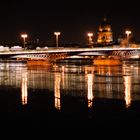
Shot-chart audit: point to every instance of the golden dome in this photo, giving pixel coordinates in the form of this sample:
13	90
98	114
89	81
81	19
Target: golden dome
105	33
104	26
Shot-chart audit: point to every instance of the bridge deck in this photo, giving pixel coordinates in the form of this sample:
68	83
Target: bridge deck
69	50
116	51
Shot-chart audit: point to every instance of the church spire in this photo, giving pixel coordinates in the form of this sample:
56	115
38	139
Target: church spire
105	19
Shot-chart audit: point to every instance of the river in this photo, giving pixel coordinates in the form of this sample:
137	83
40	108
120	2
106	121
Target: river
71	93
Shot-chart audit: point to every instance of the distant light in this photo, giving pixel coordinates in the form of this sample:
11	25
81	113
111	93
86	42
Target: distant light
128	32
24	35
90	34
57	33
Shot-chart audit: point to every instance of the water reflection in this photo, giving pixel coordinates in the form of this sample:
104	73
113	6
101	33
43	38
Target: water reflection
127	90
63	76
24	90
57	80
87	82
90	89
10	73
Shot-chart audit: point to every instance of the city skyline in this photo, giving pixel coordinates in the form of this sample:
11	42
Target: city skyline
73	19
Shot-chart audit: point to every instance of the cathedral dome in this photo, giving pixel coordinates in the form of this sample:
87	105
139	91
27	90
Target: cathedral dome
104	26
105	35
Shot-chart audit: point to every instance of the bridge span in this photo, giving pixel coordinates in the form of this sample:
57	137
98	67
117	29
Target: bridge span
118	51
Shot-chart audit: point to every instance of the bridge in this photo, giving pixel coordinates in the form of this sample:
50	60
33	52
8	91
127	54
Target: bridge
96	51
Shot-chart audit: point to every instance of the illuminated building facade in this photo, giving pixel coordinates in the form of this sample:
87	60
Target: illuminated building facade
105	35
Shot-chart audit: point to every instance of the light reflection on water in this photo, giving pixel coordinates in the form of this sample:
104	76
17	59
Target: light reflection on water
86	83
90	89
24	88
57	81
127	90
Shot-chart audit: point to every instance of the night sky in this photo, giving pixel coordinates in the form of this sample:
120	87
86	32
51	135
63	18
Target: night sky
72	18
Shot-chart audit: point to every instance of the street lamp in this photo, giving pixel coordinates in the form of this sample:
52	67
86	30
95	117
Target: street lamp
90	38
128	34
57	34
24	36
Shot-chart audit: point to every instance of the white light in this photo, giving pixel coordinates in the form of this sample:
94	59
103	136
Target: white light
24	35
90	34
90	38
57	33
128	32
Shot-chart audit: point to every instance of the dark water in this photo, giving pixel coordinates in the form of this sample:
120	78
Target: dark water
73	94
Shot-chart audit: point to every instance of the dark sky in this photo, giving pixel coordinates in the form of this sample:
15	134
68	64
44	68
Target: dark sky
72	18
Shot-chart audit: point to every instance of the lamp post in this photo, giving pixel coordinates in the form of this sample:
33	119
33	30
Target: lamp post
24	36
127	35
90	42
57	34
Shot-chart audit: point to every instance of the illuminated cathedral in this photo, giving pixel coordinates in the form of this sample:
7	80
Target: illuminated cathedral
105	35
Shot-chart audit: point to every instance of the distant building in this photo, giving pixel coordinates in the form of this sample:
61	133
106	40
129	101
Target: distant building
105	35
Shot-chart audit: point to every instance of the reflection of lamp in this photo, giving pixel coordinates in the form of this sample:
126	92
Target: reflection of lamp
57	90
57	34
90	89
24	92
24	36
63	76
127	90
